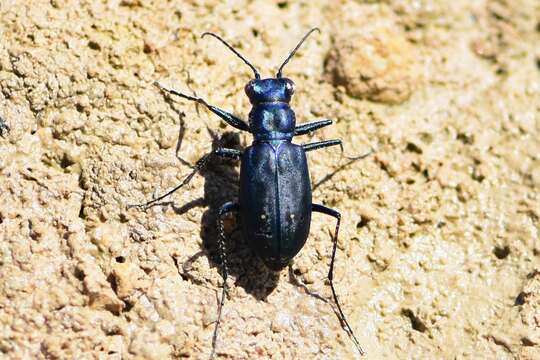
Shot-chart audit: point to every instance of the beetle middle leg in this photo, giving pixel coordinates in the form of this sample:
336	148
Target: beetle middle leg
199	165
331	212
312	126
222	252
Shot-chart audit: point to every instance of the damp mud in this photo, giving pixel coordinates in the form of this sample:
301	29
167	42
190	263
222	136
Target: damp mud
439	249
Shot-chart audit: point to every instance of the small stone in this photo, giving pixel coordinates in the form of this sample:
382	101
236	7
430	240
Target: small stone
376	66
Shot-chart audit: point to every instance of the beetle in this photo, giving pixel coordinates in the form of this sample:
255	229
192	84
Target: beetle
275	200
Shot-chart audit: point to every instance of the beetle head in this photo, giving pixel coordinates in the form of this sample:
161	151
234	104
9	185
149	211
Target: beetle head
270	90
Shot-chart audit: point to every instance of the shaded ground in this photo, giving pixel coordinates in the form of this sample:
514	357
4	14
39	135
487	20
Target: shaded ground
439	249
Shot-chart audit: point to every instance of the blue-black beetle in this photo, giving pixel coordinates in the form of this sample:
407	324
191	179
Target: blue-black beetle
275	190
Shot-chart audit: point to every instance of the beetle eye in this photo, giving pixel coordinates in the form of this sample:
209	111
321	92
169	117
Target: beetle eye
290	87
249	88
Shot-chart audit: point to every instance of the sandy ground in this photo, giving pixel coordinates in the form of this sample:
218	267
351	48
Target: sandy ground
439	250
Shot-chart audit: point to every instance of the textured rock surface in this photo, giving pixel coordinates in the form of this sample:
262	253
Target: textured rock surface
438	254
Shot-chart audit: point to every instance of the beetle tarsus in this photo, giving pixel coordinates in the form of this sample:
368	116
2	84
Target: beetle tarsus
222	252
359	157
335	214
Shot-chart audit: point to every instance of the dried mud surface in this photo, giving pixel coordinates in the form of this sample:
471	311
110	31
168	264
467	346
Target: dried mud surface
439	250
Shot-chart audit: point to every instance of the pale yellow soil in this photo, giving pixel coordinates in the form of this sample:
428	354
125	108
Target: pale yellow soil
439	249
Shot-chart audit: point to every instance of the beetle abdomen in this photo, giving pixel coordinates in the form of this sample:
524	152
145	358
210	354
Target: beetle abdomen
275	201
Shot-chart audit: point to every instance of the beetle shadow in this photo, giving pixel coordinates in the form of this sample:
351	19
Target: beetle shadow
220	186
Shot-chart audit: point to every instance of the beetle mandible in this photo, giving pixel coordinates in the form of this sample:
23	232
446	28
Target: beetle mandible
274	204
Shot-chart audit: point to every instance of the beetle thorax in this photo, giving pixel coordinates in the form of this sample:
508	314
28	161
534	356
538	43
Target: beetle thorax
271	117
272	121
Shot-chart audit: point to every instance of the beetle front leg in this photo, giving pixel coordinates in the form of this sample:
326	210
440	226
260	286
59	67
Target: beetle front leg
222	250
227	117
331	212
312	126
199	165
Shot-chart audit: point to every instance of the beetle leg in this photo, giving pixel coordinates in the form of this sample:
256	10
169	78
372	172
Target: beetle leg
227	117
331	212
322	144
228	153
199	165
225	209
312	126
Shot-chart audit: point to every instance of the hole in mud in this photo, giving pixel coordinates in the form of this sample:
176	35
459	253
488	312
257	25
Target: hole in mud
282	4
363	222
413	148
123	218
501	71
66	162
520	299
128	305
81	213
501	252
79	274
465	138
94	45
416	323
112	280
120	259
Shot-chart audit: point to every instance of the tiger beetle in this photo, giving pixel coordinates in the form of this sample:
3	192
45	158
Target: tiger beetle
274	202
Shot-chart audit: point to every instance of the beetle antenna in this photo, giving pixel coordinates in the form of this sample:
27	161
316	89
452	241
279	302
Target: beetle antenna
257	76
278	75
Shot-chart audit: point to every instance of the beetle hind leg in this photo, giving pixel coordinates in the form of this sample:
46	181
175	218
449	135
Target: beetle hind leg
222	252
331	212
